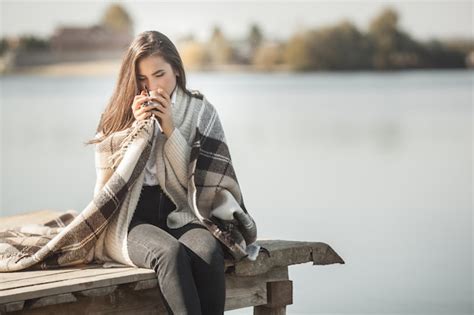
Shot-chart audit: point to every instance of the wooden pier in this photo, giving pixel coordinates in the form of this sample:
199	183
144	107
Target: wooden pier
263	284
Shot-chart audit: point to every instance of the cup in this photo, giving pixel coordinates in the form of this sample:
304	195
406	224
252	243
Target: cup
154	93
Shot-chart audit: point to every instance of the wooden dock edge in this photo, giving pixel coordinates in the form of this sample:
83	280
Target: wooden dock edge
262	284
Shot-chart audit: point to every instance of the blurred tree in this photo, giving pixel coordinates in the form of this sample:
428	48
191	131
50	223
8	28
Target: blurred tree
385	23
343	46
296	52
439	55
117	19
331	48
32	43
464	45
219	49
3	45
393	48
187	37
267	56
339	47
193	54
255	37
384	34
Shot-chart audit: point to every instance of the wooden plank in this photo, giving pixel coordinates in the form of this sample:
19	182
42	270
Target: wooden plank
285	253
251	291
6	277
38	216
16	279
123	300
80	273
263	310
146	301
279	293
51	300
113	277
144	284
235	298
253	295
11	307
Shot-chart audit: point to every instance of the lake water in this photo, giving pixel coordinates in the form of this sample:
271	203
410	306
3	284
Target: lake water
377	165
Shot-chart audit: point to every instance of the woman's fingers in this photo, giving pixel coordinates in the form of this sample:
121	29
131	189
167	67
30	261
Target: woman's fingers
139	112
144	115
161	100
146	109
138	101
143	109
157	112
165	95
159	108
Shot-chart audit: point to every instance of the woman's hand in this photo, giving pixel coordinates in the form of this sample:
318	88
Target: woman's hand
141	112
163	110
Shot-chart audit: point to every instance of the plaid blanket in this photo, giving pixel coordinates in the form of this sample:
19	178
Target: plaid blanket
213	194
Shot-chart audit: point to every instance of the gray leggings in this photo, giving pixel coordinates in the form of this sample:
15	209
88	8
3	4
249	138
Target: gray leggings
188	261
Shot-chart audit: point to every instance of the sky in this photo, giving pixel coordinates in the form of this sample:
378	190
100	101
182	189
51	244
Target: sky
424	20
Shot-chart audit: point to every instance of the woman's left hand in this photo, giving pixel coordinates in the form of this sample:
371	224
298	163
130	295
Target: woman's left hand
163	110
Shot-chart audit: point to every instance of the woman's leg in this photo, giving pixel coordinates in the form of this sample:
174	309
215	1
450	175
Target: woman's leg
151	247
207	259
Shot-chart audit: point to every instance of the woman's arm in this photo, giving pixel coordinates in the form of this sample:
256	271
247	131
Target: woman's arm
178	152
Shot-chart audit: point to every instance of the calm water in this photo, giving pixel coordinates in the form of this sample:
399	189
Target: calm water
379	166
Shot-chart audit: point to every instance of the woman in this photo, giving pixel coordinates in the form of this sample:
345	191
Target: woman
164	234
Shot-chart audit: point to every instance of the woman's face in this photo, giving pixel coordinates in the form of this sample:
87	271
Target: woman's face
155	72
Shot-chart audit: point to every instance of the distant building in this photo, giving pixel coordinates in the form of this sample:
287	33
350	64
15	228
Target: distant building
94	38
107	40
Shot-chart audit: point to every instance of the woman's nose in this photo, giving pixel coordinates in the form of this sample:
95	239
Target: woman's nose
153	84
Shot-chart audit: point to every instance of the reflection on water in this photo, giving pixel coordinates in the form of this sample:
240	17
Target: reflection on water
379	166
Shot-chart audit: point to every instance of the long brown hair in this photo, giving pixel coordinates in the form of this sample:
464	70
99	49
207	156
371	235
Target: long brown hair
118	113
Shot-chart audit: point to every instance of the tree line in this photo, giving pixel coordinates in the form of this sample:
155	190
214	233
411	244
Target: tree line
342	46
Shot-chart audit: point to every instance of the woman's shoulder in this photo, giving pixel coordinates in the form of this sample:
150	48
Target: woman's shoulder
197	94
201	102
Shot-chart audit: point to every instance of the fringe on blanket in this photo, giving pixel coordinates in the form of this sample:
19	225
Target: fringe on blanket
115	158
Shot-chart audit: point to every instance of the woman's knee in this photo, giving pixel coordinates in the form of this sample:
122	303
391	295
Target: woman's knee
171	250
203	244
167	255
149	246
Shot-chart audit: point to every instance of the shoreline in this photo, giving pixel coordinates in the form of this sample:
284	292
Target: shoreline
83	68
112	67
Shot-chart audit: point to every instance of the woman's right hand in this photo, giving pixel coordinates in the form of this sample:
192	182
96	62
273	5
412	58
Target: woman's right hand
140	112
